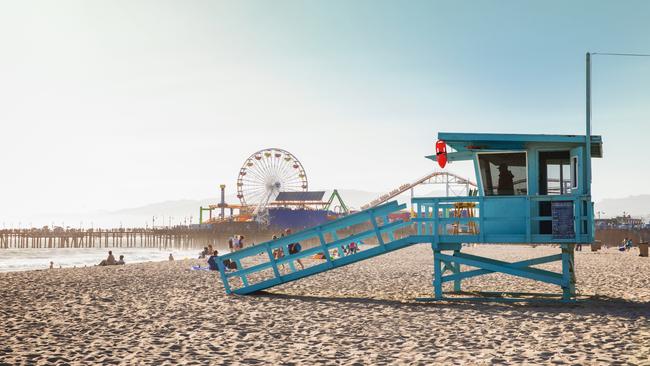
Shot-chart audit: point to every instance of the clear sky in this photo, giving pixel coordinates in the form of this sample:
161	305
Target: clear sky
112	104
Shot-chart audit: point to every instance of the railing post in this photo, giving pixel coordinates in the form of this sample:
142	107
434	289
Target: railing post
529	222
323	245
481	212
276	271
436	231
418	216
437	272
376	227
224	279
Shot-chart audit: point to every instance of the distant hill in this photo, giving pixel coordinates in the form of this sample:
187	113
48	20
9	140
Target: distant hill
186	210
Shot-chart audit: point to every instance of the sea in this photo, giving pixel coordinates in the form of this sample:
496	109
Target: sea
34	259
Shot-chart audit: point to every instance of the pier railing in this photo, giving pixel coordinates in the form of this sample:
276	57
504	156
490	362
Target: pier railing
163	238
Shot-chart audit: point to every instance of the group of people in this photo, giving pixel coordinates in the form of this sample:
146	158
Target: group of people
235	243
213	257
626	245
293	248
110	261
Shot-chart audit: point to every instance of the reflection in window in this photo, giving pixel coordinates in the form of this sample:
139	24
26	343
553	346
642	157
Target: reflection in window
503	174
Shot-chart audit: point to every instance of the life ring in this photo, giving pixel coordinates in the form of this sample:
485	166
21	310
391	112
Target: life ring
441	153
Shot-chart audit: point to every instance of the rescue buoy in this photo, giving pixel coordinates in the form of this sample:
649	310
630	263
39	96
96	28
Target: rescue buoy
441	153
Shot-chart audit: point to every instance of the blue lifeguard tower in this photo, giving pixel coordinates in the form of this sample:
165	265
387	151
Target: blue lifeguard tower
532	189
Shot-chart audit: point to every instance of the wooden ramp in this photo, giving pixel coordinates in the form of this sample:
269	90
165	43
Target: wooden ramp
323	248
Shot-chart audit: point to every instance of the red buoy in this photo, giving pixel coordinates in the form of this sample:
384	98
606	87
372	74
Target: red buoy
441	153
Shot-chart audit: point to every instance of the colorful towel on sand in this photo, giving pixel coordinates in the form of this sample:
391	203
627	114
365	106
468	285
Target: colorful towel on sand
199	268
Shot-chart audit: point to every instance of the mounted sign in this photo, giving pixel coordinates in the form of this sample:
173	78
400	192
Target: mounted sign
562	213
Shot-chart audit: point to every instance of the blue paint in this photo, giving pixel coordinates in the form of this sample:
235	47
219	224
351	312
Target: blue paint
510	216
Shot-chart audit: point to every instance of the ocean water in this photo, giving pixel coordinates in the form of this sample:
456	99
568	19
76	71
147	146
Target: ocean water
31	259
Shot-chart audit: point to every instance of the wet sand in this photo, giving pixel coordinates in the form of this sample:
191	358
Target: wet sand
163	313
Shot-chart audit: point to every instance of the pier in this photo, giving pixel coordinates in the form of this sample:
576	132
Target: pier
173	238
177	237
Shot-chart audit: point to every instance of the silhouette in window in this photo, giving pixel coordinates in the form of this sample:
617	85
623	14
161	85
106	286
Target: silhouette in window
506	183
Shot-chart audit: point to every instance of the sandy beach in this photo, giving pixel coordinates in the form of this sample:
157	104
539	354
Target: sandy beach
364	314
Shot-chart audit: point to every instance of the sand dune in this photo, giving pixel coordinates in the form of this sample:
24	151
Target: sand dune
163	313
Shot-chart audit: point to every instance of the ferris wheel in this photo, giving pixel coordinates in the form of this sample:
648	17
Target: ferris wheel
265	174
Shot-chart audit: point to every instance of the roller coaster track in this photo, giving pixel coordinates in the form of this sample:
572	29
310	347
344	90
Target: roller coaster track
435	177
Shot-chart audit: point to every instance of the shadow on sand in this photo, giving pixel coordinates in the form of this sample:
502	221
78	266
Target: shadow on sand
603	305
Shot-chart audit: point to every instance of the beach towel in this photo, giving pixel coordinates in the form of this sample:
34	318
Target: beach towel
199	268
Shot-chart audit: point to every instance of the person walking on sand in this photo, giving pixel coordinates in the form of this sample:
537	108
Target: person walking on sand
171	257
51	265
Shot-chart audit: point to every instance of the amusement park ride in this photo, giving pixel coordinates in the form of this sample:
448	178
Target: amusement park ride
531	189
271	178
274	178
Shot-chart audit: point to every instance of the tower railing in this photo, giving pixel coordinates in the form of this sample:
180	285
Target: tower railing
499	219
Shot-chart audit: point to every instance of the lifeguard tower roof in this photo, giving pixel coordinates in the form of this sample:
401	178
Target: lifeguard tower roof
462	142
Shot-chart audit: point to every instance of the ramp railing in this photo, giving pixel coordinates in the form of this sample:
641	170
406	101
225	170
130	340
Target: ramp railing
347	240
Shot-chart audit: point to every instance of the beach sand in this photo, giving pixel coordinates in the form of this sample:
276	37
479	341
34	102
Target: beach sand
163	313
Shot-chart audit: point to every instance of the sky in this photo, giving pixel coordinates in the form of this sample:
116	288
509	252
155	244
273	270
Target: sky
113	104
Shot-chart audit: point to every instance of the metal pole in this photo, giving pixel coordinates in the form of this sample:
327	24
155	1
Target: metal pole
588	134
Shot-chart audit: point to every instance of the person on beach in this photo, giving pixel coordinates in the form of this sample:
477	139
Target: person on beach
171	257
51	265
212	261
506	182
110	261
204	253
353	248
231	245
121	261
277	252
628	245
241	242
294	248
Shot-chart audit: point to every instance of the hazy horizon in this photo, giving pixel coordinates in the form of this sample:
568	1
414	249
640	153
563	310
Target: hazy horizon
109	105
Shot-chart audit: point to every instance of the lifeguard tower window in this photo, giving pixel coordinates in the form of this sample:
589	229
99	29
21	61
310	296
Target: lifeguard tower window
503	174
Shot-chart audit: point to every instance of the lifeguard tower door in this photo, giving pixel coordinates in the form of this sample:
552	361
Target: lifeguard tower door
554	179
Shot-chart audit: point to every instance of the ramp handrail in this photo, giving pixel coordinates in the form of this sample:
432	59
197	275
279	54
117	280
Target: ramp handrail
264	252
